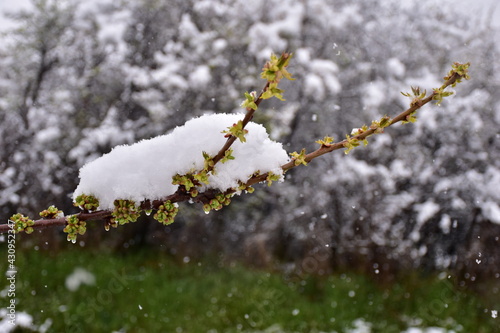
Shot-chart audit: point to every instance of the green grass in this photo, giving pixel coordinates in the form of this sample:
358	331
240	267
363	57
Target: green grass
148	292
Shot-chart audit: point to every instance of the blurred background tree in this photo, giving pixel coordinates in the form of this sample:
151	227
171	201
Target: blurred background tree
79	78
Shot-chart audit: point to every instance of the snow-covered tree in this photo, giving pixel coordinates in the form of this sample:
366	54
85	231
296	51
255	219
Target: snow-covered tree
125	71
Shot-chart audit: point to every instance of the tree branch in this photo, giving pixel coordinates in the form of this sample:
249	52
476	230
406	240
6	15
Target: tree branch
179	196
459	72
324	149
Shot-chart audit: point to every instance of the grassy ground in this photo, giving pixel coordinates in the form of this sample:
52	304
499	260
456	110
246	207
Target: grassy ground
148	292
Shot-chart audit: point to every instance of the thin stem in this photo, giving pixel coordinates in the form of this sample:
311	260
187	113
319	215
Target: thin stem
324	149
248	117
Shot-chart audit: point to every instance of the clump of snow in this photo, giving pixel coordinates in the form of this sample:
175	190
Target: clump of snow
445	224
47	135
400	169
428	330
426	211
78	277
200	77
321	75
374	94
108	133
344	16
187	29
327	70
264	37
144	170
112	24
211	7
169	73
219	45
360	326
22	319
313	86
396	67
491	211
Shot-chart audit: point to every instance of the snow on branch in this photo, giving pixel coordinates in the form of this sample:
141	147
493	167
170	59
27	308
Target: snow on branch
206	161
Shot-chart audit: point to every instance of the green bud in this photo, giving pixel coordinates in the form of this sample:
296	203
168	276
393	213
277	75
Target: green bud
237	131
462	70
249	102
201	177
228	155
73	227
166	213
273	91
207	208
125	211
299	158
350	144
87	202
411	118
275	69
51	213
326	142
22	223
439	94
271	177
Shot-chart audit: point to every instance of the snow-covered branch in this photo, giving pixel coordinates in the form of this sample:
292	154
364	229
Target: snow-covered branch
189	165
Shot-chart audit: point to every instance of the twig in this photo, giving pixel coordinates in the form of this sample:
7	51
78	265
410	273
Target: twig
324	149
248	117
179	196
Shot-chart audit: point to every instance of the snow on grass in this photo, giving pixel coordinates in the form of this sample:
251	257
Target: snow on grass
22	321
144	170
78	277
427	330
360	326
